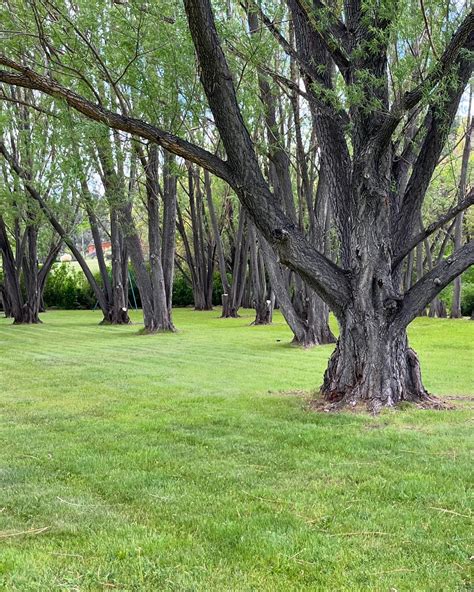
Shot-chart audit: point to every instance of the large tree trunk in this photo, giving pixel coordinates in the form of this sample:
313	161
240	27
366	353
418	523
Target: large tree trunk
372	365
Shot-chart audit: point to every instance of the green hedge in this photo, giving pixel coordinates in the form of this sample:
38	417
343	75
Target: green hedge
66	287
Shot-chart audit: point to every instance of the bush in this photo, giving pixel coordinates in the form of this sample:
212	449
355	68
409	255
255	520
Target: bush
182	291
67	288
467	298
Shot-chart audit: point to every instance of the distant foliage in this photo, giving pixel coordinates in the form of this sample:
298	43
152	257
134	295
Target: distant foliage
67	288
182	292
467	293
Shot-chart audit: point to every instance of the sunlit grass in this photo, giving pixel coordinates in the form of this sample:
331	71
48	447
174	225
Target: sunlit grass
188	462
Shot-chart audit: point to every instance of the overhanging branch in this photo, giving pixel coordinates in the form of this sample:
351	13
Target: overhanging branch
28	78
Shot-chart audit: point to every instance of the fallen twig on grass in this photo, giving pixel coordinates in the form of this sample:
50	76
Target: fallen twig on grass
6	535
359	533
450	512
400	570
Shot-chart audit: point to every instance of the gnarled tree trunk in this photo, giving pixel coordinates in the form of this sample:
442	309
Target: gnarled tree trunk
372	364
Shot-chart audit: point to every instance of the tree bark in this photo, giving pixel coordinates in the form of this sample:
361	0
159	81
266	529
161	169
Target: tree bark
372	365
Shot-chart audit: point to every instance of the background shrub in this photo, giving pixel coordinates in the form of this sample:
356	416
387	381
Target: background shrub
67	288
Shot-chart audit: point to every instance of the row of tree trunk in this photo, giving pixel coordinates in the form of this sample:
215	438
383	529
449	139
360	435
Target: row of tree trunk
225	241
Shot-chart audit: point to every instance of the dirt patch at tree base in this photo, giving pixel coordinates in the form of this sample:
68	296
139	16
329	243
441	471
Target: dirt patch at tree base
320	405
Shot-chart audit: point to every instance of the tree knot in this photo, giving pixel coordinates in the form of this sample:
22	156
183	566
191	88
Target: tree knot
280	234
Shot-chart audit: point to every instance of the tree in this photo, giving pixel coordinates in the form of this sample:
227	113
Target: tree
456	304
376	200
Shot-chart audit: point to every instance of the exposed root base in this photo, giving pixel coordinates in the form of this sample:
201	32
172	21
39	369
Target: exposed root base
374	406
307	344
147	331
107	322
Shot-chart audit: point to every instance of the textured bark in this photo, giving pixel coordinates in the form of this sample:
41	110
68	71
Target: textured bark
372	365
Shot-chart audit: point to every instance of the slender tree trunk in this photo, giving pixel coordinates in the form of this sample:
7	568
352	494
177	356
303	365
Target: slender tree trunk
161	316
239	268
170	196
119	301
261	302
456	303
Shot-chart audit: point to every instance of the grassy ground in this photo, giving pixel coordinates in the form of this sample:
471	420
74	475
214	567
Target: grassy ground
187	462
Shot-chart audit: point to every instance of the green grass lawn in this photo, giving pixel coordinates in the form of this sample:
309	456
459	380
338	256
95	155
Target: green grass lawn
188	462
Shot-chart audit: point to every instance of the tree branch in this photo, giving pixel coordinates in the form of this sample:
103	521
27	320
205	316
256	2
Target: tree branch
463	38
431	284
438	122
28	78
334	37
449	215
326	278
